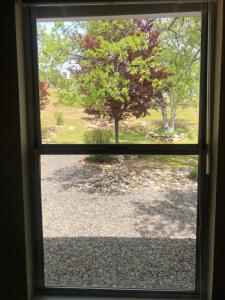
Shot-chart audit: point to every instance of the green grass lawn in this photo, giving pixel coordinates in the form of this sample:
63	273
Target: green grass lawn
76	123
172	161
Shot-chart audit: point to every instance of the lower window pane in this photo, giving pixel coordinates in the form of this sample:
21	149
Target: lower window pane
119	221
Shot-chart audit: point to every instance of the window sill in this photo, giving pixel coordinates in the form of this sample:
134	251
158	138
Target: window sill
43	297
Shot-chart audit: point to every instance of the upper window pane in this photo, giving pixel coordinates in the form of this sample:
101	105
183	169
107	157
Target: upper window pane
120	80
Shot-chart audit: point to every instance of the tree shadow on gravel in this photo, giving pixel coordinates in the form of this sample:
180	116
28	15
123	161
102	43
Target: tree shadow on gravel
118	177
103	177
120	262
72	176
177	213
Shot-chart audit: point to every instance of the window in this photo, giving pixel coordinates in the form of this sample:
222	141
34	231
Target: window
119	136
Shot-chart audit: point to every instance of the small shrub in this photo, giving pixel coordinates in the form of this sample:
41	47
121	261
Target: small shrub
179	129
59	118
98	136
193	175
161	131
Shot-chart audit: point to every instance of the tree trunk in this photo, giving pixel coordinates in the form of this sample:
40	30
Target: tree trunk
164	115
172	120
116	123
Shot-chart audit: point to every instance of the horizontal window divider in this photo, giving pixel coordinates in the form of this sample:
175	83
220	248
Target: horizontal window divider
119	293
193	149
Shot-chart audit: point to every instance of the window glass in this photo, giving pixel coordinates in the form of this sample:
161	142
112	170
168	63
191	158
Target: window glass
125	221
120	80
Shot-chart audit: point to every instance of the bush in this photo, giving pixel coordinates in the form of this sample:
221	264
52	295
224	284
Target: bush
161	131
193	175
98	136
59	118
179	129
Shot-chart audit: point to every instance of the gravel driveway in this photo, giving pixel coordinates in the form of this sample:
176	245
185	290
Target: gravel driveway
134	228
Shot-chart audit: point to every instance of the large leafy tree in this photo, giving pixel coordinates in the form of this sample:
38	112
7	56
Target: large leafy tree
117	70
112	64
180	41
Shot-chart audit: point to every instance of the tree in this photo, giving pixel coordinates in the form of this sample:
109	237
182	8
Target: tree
43	94
180	52
111	65
116	69
55	57
67	92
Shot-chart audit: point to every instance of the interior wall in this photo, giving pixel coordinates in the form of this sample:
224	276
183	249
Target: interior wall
26	147
217	247
12	235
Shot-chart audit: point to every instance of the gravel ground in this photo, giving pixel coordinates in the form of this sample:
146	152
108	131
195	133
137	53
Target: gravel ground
97	236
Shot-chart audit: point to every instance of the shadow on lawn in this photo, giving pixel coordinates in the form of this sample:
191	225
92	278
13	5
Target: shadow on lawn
120	262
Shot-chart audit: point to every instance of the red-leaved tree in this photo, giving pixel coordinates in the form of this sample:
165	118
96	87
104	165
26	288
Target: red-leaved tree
43	94
117	70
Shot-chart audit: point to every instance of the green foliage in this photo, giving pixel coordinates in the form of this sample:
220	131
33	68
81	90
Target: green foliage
178	52
180	44
67	92
179	129
59	118
161	131
193	175
173	161
54	50
110	66
98	136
